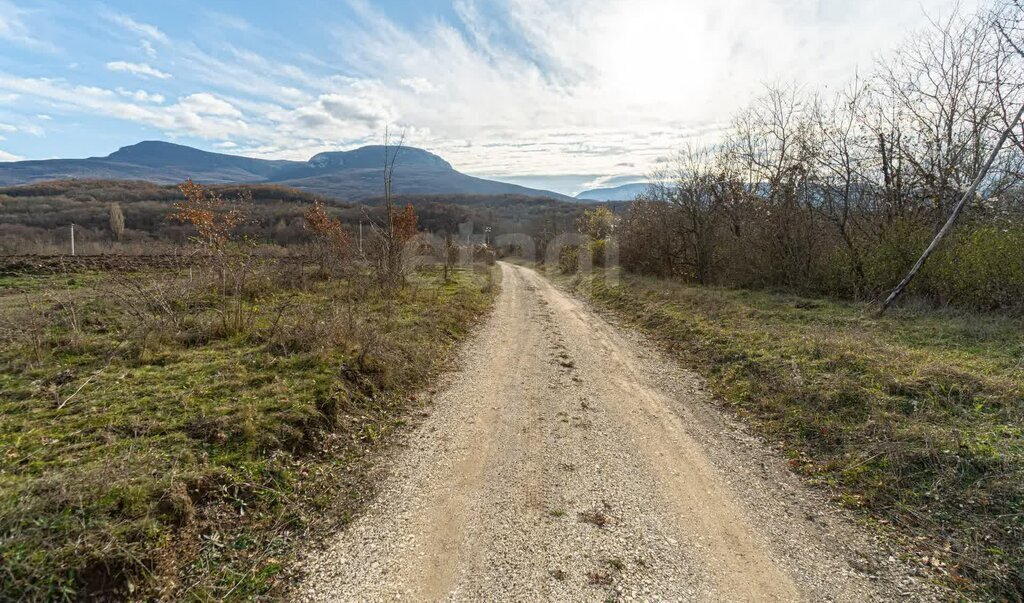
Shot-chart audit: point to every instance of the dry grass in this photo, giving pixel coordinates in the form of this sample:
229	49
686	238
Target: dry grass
915	419
174	434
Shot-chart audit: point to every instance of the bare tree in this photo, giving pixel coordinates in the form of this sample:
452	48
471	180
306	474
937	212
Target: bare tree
1004	30
700	191
770	146
837	193
939	86
389	268
841	143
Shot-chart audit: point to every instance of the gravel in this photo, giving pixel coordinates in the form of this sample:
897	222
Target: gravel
568	460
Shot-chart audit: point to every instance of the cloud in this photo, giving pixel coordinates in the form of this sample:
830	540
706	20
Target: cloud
5	156
143	29
349	108
591	84
142	96
139	69
13	29
419	85
202	115
27	128
587	89
207	104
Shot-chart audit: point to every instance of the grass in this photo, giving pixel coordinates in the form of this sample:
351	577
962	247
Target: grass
915	419
186	455
24	283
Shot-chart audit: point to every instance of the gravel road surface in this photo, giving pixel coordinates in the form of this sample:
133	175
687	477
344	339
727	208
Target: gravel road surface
569	460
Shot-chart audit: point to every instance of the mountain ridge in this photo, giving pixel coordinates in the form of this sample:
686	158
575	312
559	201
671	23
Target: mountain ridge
625	192
354	174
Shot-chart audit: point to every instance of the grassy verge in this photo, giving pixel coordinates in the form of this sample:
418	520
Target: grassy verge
160	440
915	418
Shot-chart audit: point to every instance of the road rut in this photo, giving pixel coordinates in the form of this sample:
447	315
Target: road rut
568	460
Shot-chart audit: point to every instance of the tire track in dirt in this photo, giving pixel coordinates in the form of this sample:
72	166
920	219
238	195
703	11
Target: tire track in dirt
568	461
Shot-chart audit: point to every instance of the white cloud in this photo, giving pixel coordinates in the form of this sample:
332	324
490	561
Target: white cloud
201	115
205	103
27	128
586	85
599	88
13	29
352	108
142	96
5	156
143	29
419	85
139	69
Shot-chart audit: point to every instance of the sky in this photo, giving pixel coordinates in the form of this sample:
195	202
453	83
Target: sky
559	94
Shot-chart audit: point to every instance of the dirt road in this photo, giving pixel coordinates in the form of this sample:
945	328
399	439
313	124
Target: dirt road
567	460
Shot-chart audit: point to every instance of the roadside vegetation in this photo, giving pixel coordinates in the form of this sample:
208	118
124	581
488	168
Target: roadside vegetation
176	432
916	419
760	262
838	194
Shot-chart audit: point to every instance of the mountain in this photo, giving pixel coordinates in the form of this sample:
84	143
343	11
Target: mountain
351	175
161	155
154	161
626	192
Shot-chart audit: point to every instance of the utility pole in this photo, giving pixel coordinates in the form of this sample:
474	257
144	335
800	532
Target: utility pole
72	238
968	195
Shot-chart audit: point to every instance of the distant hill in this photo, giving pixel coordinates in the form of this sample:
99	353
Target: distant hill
350	175
626	192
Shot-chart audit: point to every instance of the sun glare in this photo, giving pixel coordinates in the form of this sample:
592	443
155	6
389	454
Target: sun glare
652	52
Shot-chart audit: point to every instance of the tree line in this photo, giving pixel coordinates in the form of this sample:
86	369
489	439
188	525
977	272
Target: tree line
131	217
838	194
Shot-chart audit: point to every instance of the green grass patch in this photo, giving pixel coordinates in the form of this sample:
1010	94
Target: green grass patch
914	418
170	456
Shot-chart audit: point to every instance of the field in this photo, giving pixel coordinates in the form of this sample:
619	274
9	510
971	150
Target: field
174	432
914	419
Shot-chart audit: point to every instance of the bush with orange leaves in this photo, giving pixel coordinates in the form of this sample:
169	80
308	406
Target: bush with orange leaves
405	224
233	268
332	245
213	217
391	256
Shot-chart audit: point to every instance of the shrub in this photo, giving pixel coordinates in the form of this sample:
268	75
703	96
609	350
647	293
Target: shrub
982	267
569	259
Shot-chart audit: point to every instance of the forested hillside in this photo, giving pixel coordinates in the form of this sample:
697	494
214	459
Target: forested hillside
37	218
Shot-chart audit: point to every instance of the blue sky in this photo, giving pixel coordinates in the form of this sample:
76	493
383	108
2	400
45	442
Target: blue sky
564	94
